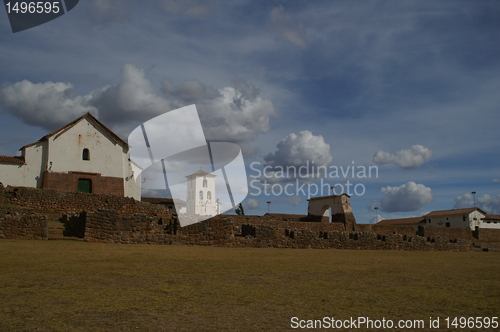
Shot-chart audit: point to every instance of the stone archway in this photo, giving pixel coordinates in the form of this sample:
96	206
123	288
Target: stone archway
340	206
327	213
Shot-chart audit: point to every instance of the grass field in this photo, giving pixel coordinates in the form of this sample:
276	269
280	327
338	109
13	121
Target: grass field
79	286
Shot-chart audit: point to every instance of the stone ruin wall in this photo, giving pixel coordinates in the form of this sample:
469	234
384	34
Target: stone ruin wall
50	200
19	223
253	231
129	224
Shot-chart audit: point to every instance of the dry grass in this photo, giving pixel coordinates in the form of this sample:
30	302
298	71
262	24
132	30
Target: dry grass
78	286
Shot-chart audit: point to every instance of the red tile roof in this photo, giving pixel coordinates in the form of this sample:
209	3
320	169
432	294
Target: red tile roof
12	160
453	212
402	221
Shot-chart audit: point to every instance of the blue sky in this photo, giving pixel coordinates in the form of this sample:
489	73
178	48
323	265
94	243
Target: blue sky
410	87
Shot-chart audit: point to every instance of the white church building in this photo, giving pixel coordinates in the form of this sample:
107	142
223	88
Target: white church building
201	199
82	156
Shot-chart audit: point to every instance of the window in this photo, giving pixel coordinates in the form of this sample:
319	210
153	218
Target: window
84	186
447	224
205	183
464	218
209	195
86	154
201	194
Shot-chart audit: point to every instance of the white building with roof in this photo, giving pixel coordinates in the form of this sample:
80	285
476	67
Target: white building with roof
82	156
201	198
469	217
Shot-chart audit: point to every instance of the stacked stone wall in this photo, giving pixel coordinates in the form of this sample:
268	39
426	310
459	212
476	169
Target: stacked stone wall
49	200
2	193
16	223
487	234
109	225
272	236
446	232
393	229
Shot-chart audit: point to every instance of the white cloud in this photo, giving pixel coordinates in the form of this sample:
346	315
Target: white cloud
407	197
252	204
290	30
304	149
375	219
48	104
487	203
133	99
496	180
407	159
236	114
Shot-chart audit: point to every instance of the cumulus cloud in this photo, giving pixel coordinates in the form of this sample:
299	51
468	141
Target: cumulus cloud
303	149
237	113
375	219
407	197
133	99
48	104
252	204
487	203
407	159
288	28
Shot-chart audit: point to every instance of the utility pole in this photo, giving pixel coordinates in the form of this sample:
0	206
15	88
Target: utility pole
268	204
474	195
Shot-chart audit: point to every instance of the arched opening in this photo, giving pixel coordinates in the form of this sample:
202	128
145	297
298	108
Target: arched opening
86	154
205	183
209	195
201	194
327	214
84	186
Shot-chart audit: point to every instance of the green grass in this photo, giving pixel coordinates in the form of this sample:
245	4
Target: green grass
79	286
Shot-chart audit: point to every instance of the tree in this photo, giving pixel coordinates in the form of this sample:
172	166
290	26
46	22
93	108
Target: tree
239	210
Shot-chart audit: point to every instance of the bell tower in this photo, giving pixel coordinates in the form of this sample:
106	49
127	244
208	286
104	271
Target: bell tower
201	199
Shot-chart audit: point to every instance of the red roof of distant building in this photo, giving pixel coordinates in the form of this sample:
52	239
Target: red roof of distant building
402	221
453	212
12	160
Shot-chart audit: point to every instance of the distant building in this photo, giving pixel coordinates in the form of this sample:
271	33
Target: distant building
469	217
201	198
414	222
491	221
334	207
82	156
